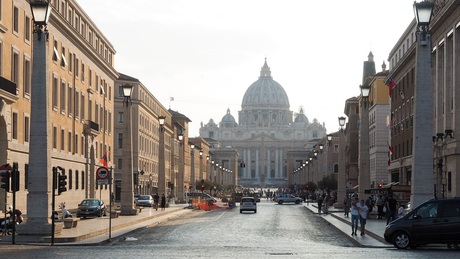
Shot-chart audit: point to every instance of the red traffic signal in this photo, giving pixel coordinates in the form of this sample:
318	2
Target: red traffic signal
306	186
202	187
380	185
5	181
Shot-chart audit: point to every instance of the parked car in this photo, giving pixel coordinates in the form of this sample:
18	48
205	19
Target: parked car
433	222
91	208
248	204
283	198
145	200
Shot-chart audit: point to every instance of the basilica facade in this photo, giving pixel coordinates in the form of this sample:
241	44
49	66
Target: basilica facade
265	132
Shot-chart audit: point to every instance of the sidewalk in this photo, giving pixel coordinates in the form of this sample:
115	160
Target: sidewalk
374	227
96	230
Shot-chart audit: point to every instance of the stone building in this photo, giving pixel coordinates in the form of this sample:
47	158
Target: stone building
265	131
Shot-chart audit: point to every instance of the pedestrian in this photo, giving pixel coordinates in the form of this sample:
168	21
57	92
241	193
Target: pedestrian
380	204
354	216
327	198
363	212
391	205
370	204
320	202
163	202
347	204
156	199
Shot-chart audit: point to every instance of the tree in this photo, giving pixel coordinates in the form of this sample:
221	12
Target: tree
328	182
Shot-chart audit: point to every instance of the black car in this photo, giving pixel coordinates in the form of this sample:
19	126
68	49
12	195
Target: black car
91	208
433	222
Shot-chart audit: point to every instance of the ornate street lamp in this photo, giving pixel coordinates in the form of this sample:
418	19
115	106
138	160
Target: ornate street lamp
341	177
192	174
40	172
161	157
364	178
422	154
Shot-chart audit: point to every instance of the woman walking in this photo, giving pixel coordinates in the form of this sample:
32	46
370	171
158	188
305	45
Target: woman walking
163	202
354	216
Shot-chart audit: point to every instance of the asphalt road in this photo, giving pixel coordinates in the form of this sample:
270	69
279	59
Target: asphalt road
281	231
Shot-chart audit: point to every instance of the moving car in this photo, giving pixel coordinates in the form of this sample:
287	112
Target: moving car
283	198
248	204
433	222
145	200
91	208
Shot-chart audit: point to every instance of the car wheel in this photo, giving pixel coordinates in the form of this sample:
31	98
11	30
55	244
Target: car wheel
297	202
280	202
241	211
255	211
401	240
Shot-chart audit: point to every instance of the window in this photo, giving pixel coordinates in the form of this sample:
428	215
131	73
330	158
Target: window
15	125
120	117
96	113
55	92
27	31
15	20
76	180
55	51
75	150
82	181
82	145
90	79
62	99
120	140
109	125
70	180
63	59
69	99
26	129
77	103
54	137
69	140
62	139
120	164
82	106
15	66
27	76
1	52
82	72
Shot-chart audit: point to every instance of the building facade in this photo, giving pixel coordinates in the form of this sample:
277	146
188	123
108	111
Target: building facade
82	75
265	131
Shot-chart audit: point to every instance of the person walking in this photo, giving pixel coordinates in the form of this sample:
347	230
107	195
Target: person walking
163	202
354	216
392	207
380	203
347	205
363	212
156	199
320	202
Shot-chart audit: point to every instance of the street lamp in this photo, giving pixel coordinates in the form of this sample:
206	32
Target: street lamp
180	175
364	178
127	192
192	174
422	156
201	164
40	173
341	177
161	157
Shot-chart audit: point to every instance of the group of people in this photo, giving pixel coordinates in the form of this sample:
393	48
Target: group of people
361	209
162	200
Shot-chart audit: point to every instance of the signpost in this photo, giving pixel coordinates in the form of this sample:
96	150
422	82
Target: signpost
102	175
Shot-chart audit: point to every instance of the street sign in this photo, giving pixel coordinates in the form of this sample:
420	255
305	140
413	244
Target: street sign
102	175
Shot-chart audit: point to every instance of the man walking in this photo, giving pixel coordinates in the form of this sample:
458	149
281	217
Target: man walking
156	199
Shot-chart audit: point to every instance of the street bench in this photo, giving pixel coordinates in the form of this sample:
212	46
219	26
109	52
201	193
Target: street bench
70	222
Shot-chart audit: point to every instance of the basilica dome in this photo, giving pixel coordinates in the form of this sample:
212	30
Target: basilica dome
265	92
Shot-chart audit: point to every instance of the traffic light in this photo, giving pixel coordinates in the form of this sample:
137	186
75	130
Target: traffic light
202	187
380	185
62	183
307	186
5	180
15	178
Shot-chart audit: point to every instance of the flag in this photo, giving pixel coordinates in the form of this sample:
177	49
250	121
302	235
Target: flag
390	82
104	160
390	149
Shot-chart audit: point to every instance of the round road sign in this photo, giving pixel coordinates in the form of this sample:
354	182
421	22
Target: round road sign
102	173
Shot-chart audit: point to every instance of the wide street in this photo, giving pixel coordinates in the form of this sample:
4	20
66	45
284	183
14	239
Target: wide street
275	231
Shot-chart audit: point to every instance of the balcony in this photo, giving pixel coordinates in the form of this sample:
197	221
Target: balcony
91	128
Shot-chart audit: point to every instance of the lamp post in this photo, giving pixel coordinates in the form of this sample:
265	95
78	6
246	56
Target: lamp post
192	172
40	173
201	165
364	178
341	177
422	156
180	175
161	158
208	171
127	192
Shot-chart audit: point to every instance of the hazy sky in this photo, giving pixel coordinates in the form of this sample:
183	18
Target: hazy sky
206	53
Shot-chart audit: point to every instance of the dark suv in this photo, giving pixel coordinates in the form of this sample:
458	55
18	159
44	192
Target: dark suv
433	222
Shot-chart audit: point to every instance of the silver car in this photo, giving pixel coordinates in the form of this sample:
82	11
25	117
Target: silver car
248	204
145	200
